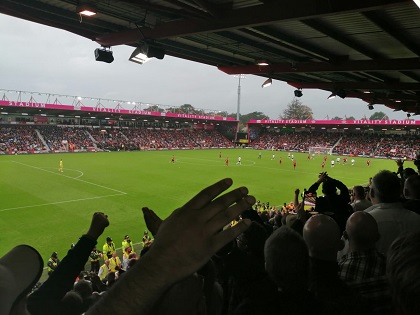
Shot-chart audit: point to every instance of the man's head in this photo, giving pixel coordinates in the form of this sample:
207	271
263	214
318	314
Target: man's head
107	262
323	237
358	193
328	187
127	238
412	187
252	240
361	231
109	240
385	188
403	271
114	254
54	256
287	260
409	172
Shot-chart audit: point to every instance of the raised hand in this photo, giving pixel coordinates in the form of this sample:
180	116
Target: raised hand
194	232
152	220
98	225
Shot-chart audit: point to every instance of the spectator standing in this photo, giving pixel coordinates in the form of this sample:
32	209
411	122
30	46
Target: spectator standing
363	268
403	271
392	218
333	204
323	238
412	193
359	201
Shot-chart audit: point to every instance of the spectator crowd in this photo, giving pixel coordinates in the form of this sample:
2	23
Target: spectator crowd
351	144
31	139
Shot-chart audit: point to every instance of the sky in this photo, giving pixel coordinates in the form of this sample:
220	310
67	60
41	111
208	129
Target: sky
37	58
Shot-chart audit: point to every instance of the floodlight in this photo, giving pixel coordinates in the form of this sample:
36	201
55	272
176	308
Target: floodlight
267	82
104	54
262	63
298	93
408	115
86	10
332	95
370	106
144	52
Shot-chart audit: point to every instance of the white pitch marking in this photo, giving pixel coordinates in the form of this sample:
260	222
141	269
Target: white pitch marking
59	202
80	180
68	169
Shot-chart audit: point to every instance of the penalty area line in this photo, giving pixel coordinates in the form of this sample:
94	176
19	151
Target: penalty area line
74	178
60	202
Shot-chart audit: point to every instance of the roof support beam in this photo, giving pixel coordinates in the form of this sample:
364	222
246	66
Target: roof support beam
357	85
247	17
304	67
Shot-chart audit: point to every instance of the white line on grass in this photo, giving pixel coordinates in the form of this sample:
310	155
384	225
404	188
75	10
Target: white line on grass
60	202
68	169
75	178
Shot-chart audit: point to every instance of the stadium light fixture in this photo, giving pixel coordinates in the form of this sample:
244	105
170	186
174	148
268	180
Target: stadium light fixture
332	95
144	52
267	83
86	10
262	63
104	54
340	93
370	107
408	115
298	93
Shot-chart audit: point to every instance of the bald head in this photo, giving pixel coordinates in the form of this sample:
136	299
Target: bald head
362	231
412	187
323	238
287	260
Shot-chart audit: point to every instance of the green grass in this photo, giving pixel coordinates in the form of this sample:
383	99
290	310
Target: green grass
48	210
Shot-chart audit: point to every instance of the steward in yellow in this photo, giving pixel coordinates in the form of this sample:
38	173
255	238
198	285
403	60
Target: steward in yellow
127	242
52	263
109	248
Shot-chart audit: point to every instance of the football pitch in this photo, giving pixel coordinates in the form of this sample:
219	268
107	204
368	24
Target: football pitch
50	210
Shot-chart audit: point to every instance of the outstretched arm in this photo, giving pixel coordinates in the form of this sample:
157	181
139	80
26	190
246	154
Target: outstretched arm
186	240
321	178
46	300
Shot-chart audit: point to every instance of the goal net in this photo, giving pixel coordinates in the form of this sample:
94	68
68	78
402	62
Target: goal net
320	150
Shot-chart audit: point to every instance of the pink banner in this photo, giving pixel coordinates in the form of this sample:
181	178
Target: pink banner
406	122
111	110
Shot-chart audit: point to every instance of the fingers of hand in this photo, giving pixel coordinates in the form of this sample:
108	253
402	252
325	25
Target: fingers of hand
222	238
223	202
226	216
208	194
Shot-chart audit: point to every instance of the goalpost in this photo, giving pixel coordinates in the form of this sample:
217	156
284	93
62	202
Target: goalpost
320	150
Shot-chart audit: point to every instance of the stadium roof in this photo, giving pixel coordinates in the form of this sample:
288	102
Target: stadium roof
364	49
